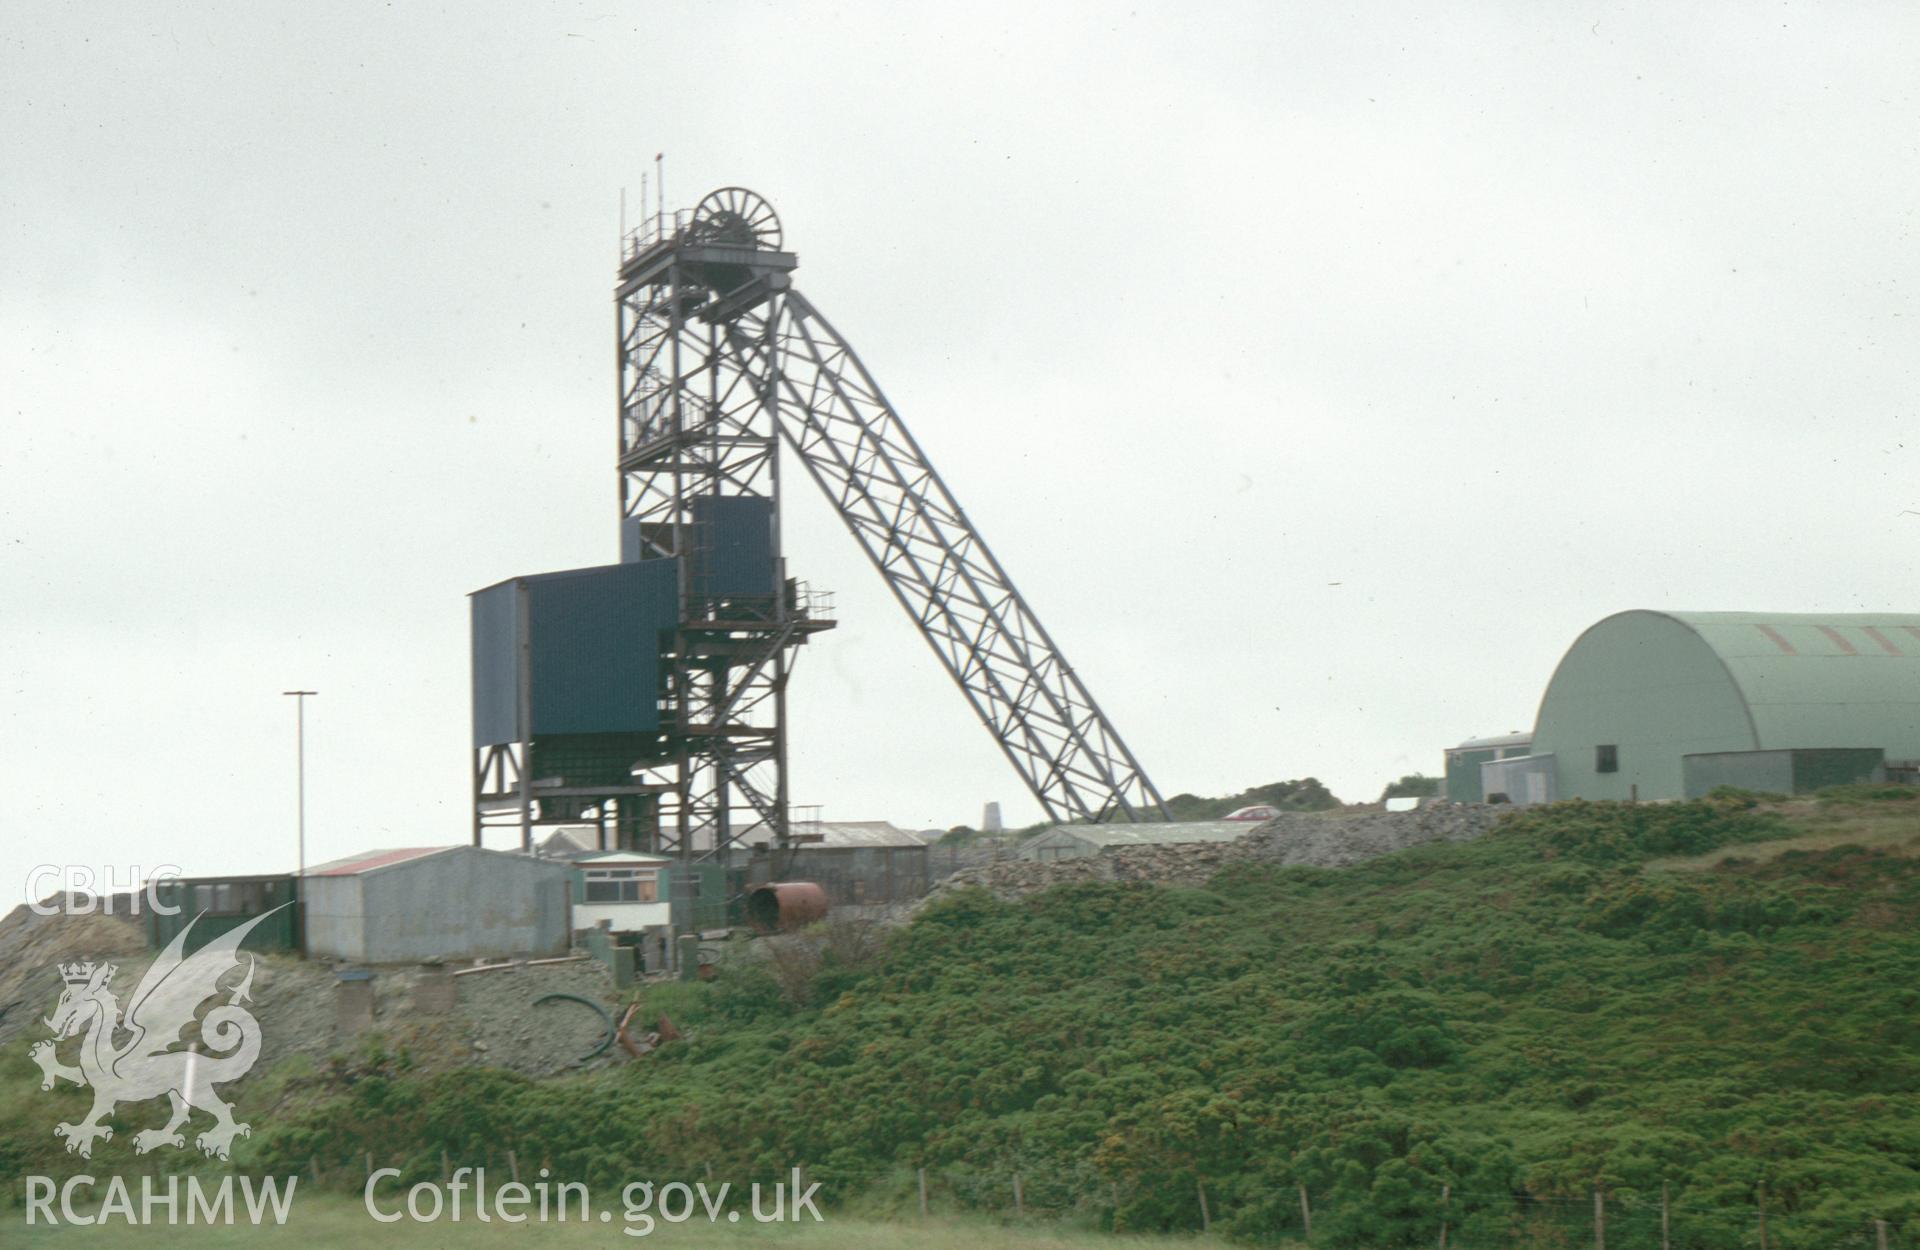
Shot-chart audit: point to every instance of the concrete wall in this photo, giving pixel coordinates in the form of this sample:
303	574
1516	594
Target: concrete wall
466	903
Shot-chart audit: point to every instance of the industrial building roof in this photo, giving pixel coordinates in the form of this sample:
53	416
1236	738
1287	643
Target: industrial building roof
1152	833
604	858
367	861
571	842
1820	679
842	834
1515	739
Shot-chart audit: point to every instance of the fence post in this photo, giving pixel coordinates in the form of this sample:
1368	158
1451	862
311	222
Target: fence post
513	1166
446	1167
1019	1201
1306	1215
1206	1217
369	1163
314	1163
923	1193
1599	1219
1880	1234
1446	1192
1761	1198
1666	1243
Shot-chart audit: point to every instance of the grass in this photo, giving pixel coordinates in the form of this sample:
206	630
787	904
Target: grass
323	1221
1892	828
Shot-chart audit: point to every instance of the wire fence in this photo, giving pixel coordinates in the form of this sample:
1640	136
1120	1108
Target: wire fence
1356	1216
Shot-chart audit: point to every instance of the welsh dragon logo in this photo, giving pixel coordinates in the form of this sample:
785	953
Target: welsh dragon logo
146	1064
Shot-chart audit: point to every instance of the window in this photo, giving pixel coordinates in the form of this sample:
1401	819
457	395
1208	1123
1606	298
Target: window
1606	759
622	885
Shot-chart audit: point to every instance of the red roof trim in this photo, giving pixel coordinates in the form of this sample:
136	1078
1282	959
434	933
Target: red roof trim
373	859
1837	639
1886	643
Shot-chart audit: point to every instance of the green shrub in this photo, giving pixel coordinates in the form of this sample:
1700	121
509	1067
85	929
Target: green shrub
1617	833
1868	793
1514	1017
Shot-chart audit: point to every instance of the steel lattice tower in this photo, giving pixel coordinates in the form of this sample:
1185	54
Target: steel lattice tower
720	361
693	429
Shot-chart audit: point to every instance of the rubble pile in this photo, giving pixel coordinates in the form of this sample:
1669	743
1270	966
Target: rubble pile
484	1018
1319	839
1335	840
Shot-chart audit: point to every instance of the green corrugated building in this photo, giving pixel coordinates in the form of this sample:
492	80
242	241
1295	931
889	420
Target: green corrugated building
1463	763
1667	705
216	905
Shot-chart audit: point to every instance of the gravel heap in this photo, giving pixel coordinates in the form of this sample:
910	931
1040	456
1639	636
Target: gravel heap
1320	839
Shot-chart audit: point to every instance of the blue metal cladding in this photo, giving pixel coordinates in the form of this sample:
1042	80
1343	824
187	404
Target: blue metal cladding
596	647
496	665
593	647
733	551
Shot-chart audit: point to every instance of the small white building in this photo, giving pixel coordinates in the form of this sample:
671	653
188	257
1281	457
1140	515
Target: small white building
1076	841
626	889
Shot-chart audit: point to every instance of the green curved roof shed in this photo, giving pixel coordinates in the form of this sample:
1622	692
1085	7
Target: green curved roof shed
1641	690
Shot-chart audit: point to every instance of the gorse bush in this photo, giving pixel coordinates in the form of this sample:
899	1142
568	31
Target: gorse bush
1611	833
1517	1018
1869	793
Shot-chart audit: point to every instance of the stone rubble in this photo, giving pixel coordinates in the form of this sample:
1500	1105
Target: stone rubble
1321	839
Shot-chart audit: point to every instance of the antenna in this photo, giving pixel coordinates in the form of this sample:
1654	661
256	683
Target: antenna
623	219
660	190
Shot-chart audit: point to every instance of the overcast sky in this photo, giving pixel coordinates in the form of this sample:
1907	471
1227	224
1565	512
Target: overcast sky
1317	371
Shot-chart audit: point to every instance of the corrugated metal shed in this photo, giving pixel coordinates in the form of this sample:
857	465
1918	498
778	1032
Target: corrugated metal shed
436	903
1071	841
1639	690
1462	773
857	862
216	905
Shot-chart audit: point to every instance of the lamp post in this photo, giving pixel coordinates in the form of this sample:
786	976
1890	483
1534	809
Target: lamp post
300	698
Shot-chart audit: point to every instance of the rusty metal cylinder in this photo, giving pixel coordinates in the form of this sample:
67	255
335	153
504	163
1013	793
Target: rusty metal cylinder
782	906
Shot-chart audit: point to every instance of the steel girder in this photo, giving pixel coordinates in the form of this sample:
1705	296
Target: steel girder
853	443
691	424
